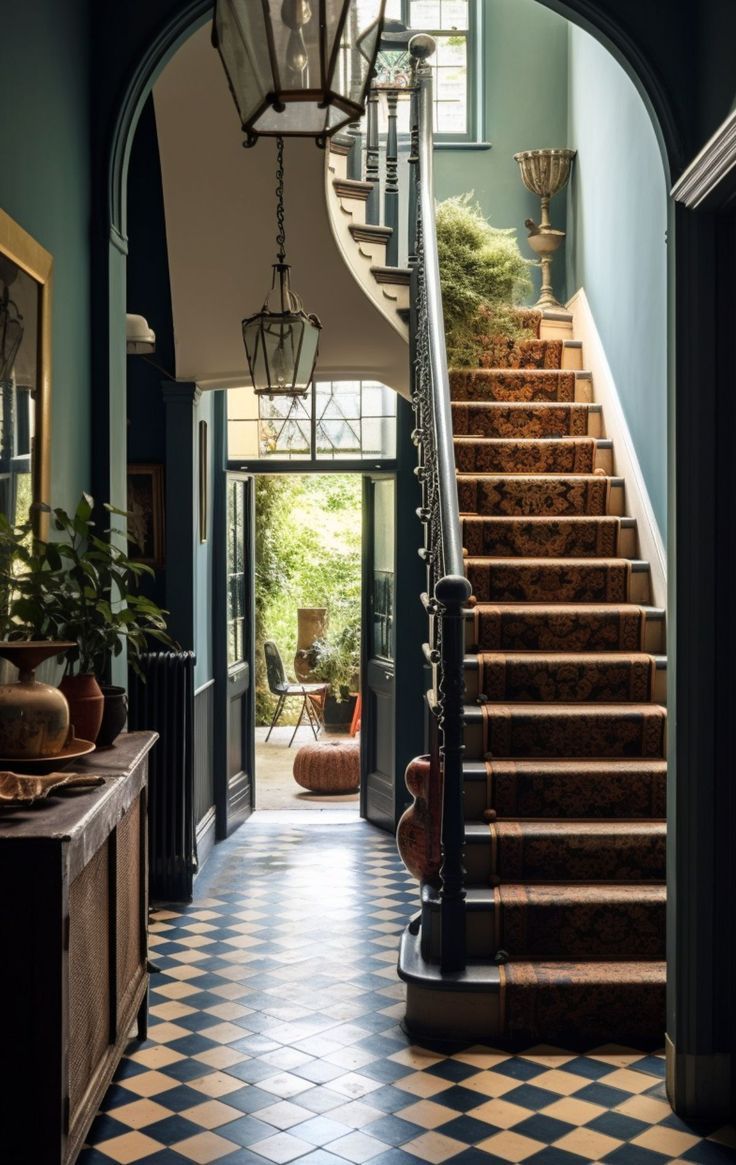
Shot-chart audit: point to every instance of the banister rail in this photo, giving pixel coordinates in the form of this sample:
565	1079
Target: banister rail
403	72
448	589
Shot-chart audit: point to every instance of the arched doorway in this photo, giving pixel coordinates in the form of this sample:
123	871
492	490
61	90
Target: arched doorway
701	932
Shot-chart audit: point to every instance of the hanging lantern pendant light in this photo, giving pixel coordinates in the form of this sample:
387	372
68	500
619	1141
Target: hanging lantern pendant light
281	346
297	67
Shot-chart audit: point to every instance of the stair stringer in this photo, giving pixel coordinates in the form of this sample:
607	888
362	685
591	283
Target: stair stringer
626	461
343	212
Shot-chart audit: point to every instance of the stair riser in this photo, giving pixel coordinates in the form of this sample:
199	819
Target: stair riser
558	455
514	496
619	795
531	421
560	630
623	733
563	931
496	581
573	857
548	537
530	678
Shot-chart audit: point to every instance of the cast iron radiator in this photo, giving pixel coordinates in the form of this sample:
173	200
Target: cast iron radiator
163	702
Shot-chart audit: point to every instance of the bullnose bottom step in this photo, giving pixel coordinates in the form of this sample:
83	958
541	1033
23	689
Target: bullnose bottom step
575	1004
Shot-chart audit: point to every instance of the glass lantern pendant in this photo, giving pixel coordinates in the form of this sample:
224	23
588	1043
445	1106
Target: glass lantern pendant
281	346
297	67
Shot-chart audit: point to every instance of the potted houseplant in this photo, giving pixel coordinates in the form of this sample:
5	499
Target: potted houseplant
336	661
93	599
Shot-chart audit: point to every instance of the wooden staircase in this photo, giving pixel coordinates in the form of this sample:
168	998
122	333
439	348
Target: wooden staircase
565	725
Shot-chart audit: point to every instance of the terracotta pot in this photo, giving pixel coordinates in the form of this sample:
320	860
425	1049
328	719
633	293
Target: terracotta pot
311	625
86	705
418	834
114	715
34	717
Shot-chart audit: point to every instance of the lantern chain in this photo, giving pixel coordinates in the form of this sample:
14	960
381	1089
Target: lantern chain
280	227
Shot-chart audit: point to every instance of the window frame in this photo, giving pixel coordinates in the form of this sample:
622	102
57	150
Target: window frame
313	461
474	136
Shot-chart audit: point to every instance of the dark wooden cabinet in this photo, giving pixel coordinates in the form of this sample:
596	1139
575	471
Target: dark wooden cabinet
73	978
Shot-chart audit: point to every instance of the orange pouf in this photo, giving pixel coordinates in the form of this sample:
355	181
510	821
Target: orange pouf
328	766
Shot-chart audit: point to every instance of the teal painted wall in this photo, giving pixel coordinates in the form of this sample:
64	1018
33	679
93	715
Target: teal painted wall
525	67
45	186
617	219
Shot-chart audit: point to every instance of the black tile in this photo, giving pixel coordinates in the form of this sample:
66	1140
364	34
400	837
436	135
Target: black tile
179	1098
602	1093
468	1129
172	1128
636	1155
554	1156
453	1070
531	1097
541	1127
393	1130
615	1124
520	1069
460	1098
246	1130
585	1066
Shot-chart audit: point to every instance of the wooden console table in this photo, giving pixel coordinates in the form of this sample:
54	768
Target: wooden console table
73	977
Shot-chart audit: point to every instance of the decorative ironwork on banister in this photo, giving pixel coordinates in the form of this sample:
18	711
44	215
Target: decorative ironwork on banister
447	587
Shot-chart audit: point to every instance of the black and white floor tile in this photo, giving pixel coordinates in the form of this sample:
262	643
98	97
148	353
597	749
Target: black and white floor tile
275	1036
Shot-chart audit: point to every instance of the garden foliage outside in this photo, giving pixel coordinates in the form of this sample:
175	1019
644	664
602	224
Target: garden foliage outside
308	554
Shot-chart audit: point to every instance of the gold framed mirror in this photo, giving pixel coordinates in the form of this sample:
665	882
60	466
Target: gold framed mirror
26	271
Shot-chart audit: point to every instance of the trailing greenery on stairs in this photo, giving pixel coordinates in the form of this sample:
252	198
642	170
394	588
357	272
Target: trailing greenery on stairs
483	274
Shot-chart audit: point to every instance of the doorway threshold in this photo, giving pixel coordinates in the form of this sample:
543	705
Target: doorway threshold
307	816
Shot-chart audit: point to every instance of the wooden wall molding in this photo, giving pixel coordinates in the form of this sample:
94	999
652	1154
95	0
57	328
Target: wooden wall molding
709	182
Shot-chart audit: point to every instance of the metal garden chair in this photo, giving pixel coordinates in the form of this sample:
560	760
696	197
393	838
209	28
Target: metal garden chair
312	696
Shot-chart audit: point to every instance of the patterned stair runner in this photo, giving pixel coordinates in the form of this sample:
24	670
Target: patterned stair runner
565	738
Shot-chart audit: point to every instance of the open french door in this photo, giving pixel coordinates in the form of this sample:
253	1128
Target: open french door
237	753
378	744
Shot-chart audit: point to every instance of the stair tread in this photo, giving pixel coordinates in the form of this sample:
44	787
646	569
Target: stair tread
569	764
573	560
468	438
604	658
577	608
548	478
562	708
570	826
565	519
485	896
589	406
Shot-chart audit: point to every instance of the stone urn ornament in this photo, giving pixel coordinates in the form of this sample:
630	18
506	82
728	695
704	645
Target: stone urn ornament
546	173
311	625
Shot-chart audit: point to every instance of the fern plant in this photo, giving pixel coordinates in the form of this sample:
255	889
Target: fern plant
483	276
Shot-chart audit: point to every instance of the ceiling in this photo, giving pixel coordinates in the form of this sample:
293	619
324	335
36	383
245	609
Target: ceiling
220	225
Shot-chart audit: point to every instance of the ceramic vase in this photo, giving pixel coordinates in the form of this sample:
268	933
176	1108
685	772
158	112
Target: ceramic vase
34	717
311	625
86	705
114	715
418	834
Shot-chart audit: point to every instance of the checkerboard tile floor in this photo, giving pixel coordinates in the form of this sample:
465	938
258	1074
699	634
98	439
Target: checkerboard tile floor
275	1037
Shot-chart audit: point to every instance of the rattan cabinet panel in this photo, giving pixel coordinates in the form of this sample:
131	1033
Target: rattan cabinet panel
73	912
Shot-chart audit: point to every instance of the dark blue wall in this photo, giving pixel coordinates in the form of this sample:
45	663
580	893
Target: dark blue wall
45	182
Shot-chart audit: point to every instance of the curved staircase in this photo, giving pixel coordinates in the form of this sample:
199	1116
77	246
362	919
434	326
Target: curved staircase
565	728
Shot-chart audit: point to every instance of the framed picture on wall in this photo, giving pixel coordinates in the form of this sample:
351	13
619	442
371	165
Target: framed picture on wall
146	513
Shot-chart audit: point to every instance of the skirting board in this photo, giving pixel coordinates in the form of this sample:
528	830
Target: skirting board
626	462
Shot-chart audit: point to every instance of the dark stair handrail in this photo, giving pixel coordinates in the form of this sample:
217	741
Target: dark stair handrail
448	590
